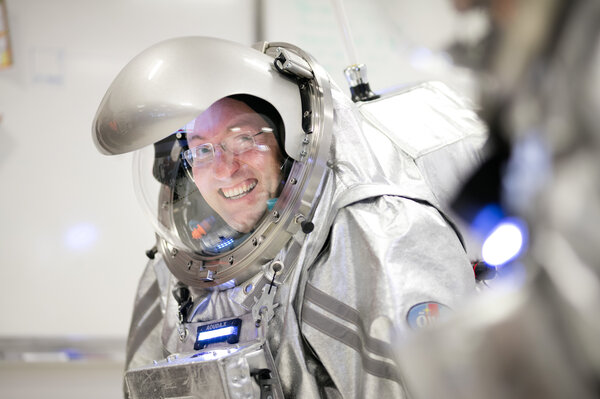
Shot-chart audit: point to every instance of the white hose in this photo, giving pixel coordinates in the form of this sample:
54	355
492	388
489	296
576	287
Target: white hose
340	13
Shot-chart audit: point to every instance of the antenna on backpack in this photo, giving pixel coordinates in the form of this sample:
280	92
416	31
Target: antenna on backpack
356	73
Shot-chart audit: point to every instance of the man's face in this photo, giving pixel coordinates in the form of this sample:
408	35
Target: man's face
237	187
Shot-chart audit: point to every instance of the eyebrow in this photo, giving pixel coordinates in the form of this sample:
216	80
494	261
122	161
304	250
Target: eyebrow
194	138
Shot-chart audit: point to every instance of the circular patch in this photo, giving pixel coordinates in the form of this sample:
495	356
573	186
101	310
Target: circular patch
426	314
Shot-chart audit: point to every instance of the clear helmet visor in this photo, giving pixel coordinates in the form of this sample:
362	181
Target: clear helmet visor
209	185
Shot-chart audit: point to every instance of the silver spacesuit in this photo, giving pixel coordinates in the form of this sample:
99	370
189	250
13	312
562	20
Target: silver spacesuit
350	252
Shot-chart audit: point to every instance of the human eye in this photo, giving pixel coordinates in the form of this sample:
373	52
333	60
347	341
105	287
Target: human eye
203	150
244	138
241	143
202	154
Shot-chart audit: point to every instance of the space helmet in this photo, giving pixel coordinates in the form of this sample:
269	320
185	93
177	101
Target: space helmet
230	150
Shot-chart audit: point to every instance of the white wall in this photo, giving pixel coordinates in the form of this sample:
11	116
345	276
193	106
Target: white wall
72	238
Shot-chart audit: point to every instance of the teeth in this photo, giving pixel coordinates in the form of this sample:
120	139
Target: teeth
238	192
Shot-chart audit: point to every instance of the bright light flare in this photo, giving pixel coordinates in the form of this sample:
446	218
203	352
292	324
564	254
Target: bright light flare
505	242
155	67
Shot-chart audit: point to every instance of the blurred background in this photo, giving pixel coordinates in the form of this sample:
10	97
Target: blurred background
72	238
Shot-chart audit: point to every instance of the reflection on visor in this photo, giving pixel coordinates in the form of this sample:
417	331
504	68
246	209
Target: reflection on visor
199	229
214	240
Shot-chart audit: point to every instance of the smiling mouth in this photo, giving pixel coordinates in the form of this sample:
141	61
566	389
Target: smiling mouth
238	191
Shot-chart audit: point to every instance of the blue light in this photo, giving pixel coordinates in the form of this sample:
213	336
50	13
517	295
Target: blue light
225	243
73	354
487	219
505	242
221	331
218	333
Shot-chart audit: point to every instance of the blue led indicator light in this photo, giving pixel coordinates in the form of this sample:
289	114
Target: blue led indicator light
222	331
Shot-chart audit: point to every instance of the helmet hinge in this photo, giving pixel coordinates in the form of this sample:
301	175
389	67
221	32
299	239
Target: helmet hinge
291	64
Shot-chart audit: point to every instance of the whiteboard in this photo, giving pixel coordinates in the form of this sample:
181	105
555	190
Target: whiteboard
72	236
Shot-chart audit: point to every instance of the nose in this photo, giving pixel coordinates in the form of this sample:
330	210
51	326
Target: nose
224	164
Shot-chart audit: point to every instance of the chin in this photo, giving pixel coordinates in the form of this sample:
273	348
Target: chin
249	222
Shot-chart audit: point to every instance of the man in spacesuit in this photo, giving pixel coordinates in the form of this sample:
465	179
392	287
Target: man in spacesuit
296	242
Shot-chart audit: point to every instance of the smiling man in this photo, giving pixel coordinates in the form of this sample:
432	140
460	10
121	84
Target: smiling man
235	160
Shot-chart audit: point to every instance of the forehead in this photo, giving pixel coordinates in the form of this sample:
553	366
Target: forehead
221	117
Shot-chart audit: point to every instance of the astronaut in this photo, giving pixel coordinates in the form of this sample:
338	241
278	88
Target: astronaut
297	241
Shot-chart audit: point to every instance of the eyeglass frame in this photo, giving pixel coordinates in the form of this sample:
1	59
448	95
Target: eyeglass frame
190	157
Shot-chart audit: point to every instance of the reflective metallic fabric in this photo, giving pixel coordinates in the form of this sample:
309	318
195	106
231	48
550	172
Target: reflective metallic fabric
380	246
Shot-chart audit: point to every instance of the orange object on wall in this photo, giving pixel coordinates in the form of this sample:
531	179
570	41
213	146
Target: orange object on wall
5	54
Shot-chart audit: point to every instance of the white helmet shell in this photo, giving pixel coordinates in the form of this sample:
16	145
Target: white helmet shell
174	81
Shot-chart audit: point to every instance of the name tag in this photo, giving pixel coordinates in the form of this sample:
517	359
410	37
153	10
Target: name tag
222	331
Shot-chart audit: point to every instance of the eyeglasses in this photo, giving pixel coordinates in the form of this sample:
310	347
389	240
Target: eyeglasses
202	155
